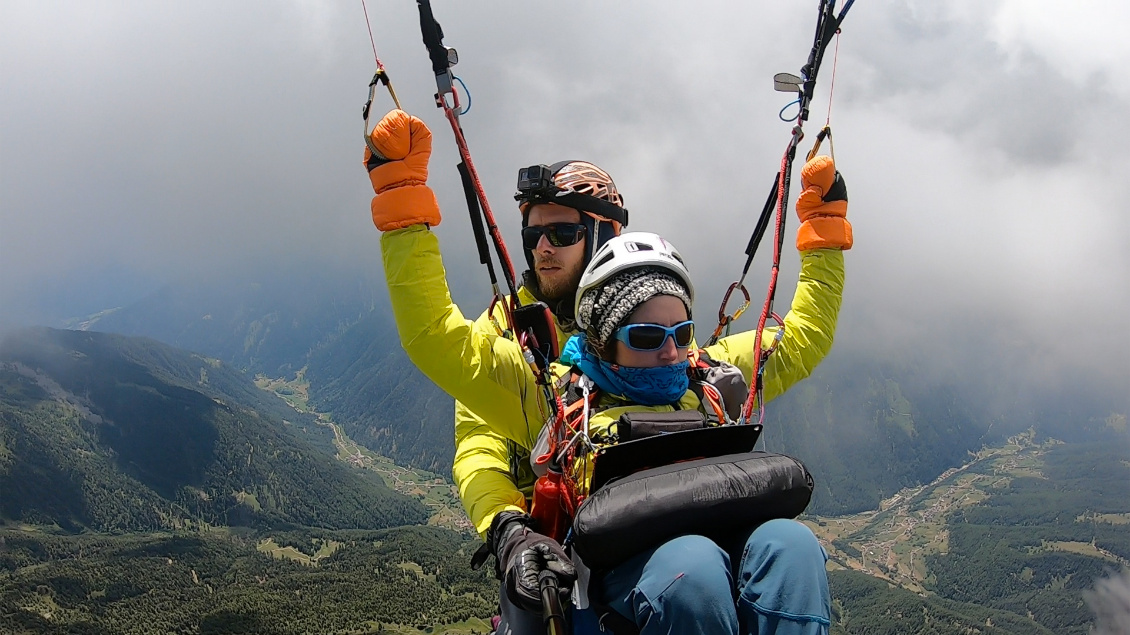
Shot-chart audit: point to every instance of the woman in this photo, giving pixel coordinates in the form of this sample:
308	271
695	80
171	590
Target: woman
636	313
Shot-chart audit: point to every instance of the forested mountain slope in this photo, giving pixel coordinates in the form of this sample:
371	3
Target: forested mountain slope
381	400
114	433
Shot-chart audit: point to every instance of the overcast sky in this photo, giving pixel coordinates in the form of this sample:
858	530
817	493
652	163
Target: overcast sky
983	143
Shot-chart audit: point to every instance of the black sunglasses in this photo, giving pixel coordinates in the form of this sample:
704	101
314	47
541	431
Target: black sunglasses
558	234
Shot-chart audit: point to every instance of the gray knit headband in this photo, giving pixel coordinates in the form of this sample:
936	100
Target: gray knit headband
608	306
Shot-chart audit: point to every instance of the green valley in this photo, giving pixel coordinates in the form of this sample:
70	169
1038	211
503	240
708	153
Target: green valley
1013	536
433	490
106	433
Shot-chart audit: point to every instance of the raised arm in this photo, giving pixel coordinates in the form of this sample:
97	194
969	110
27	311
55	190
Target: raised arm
810	324
476	366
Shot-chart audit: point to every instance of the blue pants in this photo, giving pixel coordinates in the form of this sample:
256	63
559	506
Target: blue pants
688	585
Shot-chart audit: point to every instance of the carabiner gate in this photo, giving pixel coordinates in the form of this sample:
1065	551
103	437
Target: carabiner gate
380	77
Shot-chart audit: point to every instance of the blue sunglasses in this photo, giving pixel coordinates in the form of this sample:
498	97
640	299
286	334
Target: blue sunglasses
652	337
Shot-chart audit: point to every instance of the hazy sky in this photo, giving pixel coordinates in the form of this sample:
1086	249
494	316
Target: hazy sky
983	143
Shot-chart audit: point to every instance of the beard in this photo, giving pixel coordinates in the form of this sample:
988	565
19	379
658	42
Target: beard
561	285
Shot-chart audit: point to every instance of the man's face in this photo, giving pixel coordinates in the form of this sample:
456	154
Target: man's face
558	269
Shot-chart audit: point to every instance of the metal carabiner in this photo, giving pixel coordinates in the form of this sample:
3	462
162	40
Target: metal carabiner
380	77
725	320
826	131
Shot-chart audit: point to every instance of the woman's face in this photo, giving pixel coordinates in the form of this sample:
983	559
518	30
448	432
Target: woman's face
664	310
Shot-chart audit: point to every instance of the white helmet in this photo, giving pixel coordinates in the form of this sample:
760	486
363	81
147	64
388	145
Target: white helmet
631	250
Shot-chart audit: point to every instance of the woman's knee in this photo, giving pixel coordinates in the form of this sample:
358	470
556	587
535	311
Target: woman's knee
785	542
690	550
782	576
688	567
786	529
687	586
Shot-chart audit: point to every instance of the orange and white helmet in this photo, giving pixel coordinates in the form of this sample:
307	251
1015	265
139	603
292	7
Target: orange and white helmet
585	178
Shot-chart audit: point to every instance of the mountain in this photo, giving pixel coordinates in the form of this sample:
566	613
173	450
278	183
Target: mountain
264	323
337	325
116	433
866	425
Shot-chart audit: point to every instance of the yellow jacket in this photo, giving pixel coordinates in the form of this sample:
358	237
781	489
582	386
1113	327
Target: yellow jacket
492	473
486	372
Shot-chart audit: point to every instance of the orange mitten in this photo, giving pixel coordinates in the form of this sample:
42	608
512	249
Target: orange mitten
822	207
400	174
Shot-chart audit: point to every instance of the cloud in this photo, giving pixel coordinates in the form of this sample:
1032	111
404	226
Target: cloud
978	140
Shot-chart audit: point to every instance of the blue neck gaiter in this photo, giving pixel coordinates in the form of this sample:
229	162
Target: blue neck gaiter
655	386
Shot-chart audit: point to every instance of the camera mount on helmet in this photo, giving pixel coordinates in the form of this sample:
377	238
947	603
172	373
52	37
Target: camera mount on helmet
538	184
535	182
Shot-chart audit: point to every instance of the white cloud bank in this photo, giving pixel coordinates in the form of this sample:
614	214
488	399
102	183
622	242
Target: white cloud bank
981	142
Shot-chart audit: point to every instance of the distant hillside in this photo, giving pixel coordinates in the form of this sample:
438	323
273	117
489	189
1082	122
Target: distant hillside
115	433
1035	545
365	379
868	427
264	324
870	606
867	430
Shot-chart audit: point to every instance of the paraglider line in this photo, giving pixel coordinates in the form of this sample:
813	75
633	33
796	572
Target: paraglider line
832	84
372	41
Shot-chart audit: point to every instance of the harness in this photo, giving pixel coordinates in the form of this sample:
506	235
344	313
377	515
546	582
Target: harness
670	464
565	451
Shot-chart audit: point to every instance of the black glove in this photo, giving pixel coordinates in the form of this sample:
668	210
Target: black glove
521	554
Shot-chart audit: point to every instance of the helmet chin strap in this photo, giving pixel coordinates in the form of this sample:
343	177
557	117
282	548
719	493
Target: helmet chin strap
594	240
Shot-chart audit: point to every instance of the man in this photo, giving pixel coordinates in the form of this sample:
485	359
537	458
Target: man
569	210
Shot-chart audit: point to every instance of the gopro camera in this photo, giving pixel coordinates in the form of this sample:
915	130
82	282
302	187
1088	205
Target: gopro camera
535	179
